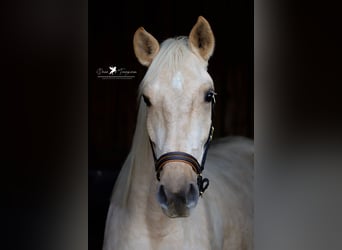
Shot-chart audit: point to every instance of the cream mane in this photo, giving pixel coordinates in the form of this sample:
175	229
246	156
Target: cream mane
139	153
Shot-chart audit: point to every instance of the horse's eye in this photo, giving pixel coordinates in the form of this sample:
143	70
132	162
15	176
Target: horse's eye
210	96
147	101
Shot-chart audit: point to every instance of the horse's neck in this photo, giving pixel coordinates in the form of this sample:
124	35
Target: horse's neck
138	181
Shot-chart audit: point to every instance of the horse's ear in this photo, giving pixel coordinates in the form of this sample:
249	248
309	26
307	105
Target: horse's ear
145	46
201	39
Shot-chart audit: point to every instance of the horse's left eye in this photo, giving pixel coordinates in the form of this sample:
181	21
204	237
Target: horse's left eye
210	96
147	101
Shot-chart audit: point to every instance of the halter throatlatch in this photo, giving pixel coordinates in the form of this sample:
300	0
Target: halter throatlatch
177	156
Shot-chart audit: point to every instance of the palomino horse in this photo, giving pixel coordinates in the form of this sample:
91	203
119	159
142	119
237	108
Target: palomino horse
158	201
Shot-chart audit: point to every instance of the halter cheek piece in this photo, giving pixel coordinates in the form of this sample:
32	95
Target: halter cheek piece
177	156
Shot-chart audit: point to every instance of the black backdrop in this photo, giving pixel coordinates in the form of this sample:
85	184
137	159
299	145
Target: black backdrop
113	102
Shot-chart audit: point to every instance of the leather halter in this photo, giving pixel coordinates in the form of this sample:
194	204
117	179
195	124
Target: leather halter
177	156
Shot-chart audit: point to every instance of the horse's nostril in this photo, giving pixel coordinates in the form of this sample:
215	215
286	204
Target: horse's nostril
191	196
162	198
192	191
180	201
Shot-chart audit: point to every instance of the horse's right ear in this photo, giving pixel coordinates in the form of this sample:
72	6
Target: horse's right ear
145	46
201	39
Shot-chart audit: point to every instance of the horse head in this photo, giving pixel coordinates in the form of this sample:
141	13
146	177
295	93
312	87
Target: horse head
178	93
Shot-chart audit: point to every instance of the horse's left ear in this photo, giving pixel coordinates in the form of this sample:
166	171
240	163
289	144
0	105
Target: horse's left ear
145	46
201	39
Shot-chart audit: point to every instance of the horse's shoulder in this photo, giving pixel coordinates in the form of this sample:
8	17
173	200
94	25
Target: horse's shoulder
234	144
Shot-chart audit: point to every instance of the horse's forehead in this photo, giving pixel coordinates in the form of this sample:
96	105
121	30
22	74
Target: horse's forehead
183	79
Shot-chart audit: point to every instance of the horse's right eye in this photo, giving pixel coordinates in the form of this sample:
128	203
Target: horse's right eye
210	96
147	101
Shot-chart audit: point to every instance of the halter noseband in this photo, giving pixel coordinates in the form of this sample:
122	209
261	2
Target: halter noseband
177	156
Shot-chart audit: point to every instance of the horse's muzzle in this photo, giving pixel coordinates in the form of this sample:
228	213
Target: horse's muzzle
178	204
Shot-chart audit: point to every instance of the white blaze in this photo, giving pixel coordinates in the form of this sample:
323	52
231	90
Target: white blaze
177	81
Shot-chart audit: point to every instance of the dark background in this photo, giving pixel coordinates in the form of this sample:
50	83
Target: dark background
44	111
113	103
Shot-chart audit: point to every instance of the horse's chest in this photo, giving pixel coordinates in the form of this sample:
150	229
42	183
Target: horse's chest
184	245
158	237
184	237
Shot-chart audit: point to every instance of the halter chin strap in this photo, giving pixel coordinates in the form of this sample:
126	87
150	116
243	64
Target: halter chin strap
177	156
